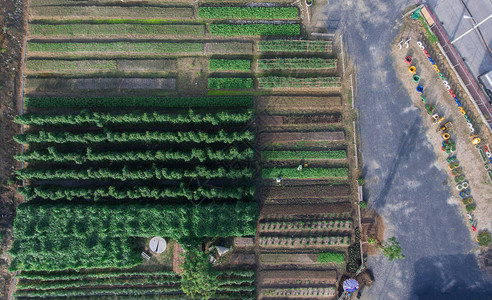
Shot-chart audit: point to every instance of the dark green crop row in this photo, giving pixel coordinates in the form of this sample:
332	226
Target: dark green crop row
89	155
255	29
139	173
253	13
304	173
102	291
300	155
95	274
135	137
102	119
230	83
229	65
134	192
87	235
188	102
295	46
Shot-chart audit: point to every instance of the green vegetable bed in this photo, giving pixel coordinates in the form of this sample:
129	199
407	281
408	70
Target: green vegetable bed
299	155
254	13
304	173
255	29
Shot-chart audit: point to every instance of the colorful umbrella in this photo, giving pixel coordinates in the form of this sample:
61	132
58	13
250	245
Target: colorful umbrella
350	285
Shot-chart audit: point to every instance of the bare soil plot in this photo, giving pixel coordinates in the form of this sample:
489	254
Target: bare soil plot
228	48
289	137
303	192
107	2
276	120
297	277
270	210
107	65
242	259
243	242
97	12
298	103
81	84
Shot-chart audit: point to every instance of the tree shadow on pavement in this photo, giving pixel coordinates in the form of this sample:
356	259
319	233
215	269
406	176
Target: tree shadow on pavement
450	277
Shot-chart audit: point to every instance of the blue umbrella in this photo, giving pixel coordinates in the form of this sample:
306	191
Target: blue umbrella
350	285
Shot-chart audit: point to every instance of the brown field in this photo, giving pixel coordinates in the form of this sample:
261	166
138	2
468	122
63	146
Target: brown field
84	84
288	137
293	277
228	48
275	120
288	259
298	104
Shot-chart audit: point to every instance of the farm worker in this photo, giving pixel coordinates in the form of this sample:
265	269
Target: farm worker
474	228
279	179
299	168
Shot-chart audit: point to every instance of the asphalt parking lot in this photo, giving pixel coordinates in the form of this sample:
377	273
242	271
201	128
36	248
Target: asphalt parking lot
403	182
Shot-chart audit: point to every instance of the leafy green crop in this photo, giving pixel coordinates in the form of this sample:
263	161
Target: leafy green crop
300	155
273	82
255	29
134	137
89	155
304	173
103	119
135	192
230	65
331	257
115	47
188	102
254	13
230	83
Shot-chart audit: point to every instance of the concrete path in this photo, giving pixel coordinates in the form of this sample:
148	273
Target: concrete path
403	182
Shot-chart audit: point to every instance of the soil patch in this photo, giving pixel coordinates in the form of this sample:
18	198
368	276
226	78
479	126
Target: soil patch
269	120
297	277
304	210
287	137
304	192
298	104
288	259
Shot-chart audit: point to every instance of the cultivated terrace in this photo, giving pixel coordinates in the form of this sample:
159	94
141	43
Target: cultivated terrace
218	126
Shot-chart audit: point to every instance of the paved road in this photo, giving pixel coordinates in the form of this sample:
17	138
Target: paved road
456	21
404	183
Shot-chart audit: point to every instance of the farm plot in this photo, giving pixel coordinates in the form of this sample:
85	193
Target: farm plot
111	48
297	226
331	210
102	65
283	120
289	137
256	29
229	65
313	63
80	29
296	104
295	46
97	84
298	292
318	241
233	283
302	155
100	12
292	277
278	82
304	173
253	13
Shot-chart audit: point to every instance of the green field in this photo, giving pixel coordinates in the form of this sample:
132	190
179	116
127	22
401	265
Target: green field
255	29
254	13
304	173
300	155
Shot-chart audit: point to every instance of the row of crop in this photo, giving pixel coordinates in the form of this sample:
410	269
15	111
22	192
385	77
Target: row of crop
319	241
109	282
262	29
132	47
331	257
229	64
98	274
302	155
277	172
230	83
100	282
89	29
134	192
98	235
297	63
296	46
218	295
296	292
249	12
188	102
134	173
101	291
275	82
308	225
89	155
102	119
135	137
